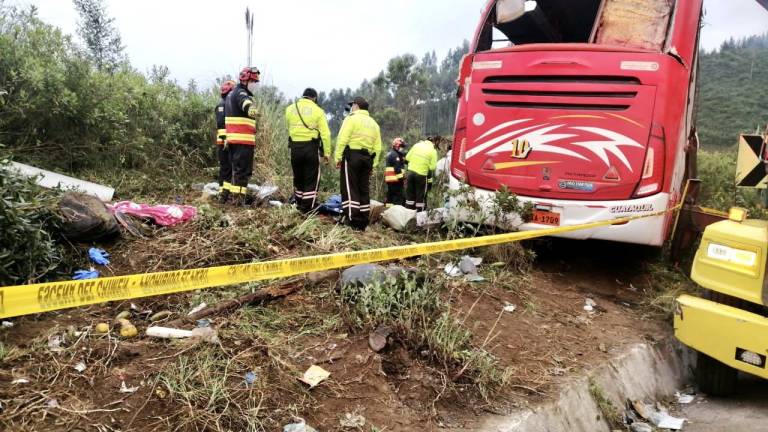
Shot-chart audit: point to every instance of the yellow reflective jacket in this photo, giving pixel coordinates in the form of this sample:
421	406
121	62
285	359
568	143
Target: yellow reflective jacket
314	117
422	158
359	132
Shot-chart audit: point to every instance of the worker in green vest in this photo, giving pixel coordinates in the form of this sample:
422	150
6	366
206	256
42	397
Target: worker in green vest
358	149
422	162
309	140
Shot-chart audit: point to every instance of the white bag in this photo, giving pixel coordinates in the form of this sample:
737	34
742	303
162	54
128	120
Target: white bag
399	218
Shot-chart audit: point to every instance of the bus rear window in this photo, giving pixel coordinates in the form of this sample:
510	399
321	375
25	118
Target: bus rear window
642	24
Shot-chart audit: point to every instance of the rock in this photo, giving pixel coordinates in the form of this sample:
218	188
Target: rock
467	265
377	340
363	274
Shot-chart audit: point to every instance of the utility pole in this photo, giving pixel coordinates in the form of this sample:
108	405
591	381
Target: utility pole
249	30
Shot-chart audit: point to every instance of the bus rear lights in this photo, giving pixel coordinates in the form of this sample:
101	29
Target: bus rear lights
648	166
648	189
751	358
463	151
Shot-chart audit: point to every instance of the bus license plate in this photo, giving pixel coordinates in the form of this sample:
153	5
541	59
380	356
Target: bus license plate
546	218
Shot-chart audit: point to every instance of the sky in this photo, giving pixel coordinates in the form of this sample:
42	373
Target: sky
325	44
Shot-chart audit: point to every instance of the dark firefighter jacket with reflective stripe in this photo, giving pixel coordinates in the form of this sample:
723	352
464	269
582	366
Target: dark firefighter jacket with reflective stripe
394	172
221	131
240	128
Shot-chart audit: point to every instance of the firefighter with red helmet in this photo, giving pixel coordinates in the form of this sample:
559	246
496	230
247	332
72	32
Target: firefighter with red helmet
394	173
222	147
240	115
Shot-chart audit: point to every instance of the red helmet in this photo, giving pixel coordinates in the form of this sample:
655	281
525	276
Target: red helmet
227	87
398	143
250	74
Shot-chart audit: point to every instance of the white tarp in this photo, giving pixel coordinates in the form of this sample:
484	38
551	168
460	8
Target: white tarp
51	180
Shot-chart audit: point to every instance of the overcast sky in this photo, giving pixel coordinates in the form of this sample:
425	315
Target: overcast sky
326	44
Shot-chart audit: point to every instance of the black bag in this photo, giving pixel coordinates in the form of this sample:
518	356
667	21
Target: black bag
85	218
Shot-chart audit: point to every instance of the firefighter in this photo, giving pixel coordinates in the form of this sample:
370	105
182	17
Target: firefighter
222	148
309	140
240	120
358	147
422	162
394	173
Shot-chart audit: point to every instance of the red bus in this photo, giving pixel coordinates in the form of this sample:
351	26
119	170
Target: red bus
582	108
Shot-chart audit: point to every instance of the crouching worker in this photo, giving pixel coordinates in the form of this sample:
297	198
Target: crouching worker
358	147
422	162
394	173
309	140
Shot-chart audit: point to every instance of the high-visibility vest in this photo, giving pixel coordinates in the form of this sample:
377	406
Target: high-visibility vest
314	118
359	132
422	158
240	128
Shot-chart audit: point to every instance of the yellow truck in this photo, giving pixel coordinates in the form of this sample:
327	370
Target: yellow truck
727	324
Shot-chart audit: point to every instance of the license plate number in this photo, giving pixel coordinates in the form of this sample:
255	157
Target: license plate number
546	218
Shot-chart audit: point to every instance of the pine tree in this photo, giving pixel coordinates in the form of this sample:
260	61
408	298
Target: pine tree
101	37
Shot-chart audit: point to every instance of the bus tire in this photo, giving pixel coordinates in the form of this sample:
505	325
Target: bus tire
715	378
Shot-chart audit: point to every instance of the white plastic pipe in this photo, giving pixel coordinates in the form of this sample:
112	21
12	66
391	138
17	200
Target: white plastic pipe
50	180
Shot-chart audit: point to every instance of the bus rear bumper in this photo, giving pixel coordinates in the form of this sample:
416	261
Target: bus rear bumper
729	335
649	231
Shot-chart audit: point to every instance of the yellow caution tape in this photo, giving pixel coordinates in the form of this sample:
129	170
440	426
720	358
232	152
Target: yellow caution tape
45	297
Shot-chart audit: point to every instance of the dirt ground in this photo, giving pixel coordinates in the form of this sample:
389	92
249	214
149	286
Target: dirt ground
180	385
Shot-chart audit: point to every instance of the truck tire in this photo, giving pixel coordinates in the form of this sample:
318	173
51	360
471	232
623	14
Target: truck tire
715	378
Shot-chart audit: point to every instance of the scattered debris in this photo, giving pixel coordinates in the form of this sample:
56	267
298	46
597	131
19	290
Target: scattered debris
352	421
52	403
301	426
655	414
250	378
314	376
431	218
102	328
197	309
331	206
98	256
54	343
589	305
127	330
275	203
20	381
125	389
85	274
80	367
123	315
317	277
509	307
468	264
399	218
377	340
363	274
205	334
452	270
6	324
85	218
161	315
602	348
683	398
261	193
467	267
203	323
164	215
640	427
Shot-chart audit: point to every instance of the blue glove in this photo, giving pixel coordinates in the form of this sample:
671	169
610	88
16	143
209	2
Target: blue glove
85	274
98	256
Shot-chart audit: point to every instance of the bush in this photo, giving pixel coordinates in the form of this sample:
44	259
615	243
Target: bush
27	218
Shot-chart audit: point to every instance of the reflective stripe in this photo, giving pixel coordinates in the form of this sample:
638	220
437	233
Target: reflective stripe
240	121
242	190
247	139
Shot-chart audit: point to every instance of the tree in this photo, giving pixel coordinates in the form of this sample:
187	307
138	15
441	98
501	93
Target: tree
99	34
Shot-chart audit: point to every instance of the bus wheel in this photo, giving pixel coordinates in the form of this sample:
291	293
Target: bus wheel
715	378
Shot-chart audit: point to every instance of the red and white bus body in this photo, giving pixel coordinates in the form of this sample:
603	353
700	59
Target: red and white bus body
607	126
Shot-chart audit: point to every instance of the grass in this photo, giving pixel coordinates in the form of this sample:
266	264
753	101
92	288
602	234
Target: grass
610	413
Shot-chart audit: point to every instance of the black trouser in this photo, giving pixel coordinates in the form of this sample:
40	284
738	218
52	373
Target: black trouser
416	192
241	157
356	167
305	161
395	193
225	168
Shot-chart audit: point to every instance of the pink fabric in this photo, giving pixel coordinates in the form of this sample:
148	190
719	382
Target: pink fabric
166	215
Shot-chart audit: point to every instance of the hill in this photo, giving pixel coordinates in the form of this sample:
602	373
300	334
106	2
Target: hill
733	90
